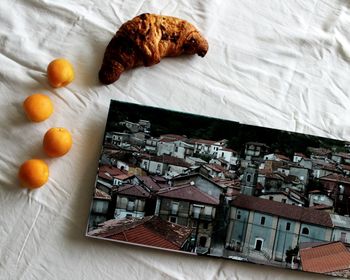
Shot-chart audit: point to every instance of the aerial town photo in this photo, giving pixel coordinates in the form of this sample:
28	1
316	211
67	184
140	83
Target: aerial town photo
220	188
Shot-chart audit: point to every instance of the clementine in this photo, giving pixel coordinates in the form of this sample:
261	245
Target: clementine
57	142
60	72
38	107
33	173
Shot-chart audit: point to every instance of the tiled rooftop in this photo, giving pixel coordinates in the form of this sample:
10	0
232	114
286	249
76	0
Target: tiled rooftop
325	258
132	190
150	231
149	183
297	213
188	192
168	160
101	195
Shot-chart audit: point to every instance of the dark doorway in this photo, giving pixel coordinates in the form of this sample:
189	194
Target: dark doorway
258	244
202	241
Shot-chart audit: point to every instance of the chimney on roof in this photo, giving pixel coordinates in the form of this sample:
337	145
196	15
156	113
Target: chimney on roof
192	183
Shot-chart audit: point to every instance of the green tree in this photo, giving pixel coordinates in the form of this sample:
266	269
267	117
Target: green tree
290	253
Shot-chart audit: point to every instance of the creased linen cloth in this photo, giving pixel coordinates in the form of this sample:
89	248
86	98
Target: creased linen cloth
281	64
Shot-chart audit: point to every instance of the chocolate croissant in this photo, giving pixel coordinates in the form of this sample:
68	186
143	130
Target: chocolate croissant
145	40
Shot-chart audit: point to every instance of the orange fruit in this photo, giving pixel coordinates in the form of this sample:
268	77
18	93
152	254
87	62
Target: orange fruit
57	142
60	73
33	173
38	107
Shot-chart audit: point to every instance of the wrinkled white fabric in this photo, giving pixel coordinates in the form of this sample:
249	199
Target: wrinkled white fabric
281	64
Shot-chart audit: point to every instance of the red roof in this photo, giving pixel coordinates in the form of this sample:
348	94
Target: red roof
172	137
204	141
326	166
292	179
168	160
300	155
149	183
101	195
150	231
227	182
297	213
319	151
109	172
336	178
188	192
215	167
257	144
321	207
325	258
282	157
193	177
228	150
132	190
345	167
343	155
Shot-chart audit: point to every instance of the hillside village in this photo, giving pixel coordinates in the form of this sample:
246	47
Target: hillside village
246	203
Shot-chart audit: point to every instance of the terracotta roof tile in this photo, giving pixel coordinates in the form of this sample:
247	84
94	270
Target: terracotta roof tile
168	160
174	137
188	192
149	183
132	190
204	141
321	207
257	144
215	167
335	178
343	155
101	195
345	167
110	172
325	258
150	231
319	151
229	150
297	213
282	157
300	155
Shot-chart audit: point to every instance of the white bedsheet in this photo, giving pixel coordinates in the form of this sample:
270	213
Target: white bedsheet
282	64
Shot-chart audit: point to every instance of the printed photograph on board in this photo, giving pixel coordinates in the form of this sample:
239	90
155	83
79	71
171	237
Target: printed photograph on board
207	186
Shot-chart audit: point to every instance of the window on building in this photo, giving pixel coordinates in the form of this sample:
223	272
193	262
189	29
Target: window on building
288	226
284	200
258	244
202	241
305	230
131	205
238	217
222	154
270	197
207	210
174	208
176	149
196	210
262	221
343	236
173	219
100	206
249	177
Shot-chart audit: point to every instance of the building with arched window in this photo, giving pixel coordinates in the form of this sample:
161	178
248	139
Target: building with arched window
265	229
